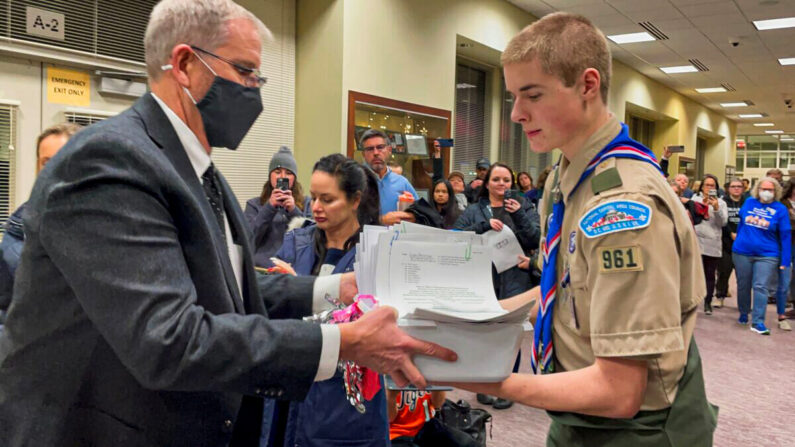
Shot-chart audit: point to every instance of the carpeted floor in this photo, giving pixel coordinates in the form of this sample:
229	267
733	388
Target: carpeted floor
749	376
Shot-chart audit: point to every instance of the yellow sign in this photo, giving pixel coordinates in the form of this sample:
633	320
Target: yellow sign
68	87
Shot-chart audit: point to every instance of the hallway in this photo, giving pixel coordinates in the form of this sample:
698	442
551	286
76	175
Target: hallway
749	376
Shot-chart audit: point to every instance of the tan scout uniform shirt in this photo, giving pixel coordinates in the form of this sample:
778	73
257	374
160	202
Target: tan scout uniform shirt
647	311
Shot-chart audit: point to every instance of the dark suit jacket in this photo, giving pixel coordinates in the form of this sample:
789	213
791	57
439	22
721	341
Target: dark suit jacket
125	328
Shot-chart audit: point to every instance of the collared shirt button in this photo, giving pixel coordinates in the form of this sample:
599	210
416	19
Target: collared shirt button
227	425
279	393
258	391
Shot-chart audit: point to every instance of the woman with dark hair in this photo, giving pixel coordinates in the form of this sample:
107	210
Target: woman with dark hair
536	194
269	215
493	211
525	183
344	200
440	211
709	233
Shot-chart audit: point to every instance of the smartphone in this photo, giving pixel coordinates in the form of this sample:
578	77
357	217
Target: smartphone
713	193
509	194
283	183
675	149
445	142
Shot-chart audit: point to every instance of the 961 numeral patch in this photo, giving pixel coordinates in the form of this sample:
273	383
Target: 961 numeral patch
620	259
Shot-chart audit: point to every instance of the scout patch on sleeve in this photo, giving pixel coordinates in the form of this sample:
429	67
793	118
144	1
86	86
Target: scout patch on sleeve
615	216
620	259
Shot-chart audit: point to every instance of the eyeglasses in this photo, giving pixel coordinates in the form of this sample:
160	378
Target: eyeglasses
252	76
379	148
735	186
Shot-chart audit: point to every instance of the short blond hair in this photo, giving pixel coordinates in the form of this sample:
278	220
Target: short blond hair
565	45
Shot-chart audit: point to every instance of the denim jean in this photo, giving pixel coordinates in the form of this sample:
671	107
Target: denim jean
754	271
782	292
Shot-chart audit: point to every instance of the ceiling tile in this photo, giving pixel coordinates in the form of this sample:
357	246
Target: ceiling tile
761	10
592	9
708	9
720	20
626	6
663	11
667	26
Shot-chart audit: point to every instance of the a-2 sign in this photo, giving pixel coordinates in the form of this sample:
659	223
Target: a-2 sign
43	23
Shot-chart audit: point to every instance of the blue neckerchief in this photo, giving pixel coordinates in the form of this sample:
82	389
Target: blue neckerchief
543	352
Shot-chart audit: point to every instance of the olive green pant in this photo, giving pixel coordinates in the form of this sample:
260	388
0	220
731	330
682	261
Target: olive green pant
689	422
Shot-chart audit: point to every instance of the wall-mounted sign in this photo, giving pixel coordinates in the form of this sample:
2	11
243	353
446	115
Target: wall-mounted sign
70	87
43	23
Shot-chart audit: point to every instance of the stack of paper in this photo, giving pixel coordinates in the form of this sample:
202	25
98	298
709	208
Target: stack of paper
440	282
432	274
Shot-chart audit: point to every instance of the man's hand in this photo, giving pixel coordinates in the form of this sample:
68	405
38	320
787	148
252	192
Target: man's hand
348	288
476	183
524	262
376	342
394	217
667	153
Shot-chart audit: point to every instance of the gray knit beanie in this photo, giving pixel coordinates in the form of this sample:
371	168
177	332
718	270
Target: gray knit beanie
283	159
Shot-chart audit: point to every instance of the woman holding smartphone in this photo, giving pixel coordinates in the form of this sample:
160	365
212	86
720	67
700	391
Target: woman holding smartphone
710	232
497	206
281	201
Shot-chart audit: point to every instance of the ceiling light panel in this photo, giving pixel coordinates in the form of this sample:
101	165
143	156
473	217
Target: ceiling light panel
764	124
787	61
750	115
711	90
734	104
679	69
631	38
774	131
786	22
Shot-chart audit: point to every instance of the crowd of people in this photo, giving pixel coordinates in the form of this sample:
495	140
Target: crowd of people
738	228
174	318
746	229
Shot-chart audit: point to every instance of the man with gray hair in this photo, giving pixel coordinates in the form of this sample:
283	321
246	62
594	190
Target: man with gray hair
138	318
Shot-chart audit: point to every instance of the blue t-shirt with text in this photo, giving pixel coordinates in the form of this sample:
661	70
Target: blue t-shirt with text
764	230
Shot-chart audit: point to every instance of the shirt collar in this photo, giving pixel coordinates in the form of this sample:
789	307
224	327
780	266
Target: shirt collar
199	158
571	171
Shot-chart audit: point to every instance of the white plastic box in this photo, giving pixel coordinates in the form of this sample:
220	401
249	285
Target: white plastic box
486	352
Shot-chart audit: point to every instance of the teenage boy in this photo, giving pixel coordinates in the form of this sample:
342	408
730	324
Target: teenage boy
616	322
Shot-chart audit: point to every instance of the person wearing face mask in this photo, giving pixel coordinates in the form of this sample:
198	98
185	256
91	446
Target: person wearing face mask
138	317
269	214
709	233
493	211
734	201
762	249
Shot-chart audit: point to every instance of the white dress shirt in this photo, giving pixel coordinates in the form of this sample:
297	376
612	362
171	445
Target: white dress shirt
324	287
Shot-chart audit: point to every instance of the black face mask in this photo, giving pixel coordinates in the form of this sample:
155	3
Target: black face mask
228	111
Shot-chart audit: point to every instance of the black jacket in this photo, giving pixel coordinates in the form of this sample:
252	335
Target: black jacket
127	327
524	223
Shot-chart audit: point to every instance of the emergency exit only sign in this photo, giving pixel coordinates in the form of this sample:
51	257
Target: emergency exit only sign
45	23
